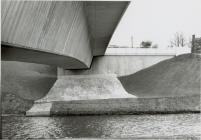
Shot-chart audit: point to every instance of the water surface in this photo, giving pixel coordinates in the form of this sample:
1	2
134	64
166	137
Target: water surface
121	126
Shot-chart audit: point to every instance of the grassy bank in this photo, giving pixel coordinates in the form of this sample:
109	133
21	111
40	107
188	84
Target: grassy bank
178	76
13	104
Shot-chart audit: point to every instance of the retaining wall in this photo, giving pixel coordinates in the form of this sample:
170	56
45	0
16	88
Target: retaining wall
117	64
118	106
125	61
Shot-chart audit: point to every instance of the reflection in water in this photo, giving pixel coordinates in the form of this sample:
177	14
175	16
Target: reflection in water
102	126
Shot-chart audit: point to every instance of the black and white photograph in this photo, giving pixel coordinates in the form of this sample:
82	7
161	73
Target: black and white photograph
94	70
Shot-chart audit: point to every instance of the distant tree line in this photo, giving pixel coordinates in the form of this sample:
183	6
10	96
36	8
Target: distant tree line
179	40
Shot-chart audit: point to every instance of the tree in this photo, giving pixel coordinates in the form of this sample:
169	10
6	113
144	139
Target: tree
178	41
155	46
189	42
145	44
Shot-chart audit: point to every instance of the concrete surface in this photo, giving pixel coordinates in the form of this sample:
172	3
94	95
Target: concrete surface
10	53
54	27
120	65
121	106
43	109
85	87
103	18
76	30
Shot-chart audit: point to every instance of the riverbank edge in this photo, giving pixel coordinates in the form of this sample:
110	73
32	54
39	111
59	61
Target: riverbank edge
142	113
124	106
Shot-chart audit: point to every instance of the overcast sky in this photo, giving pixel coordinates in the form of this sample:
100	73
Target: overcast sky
158	21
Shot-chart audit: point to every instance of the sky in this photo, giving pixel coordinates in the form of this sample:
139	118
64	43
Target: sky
158	21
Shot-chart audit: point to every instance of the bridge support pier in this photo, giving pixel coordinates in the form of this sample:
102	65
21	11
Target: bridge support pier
71	90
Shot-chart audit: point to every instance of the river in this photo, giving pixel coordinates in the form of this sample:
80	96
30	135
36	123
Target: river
111	126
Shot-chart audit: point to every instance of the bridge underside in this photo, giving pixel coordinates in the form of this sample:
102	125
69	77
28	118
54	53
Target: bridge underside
62	33
11	53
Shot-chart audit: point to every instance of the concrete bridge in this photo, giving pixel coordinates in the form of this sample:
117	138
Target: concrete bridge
62	33
65	34
62	38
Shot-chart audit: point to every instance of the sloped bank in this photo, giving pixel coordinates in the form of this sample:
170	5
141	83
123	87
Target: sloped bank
23	83
118	106
13	104
175	77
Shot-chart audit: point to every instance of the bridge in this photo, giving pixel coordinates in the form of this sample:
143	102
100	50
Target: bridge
67	34
64	43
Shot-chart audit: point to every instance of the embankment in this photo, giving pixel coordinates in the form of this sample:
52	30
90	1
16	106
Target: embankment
178	76
13	104
23	83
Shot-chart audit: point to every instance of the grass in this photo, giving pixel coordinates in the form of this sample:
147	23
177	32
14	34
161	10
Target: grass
178	76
